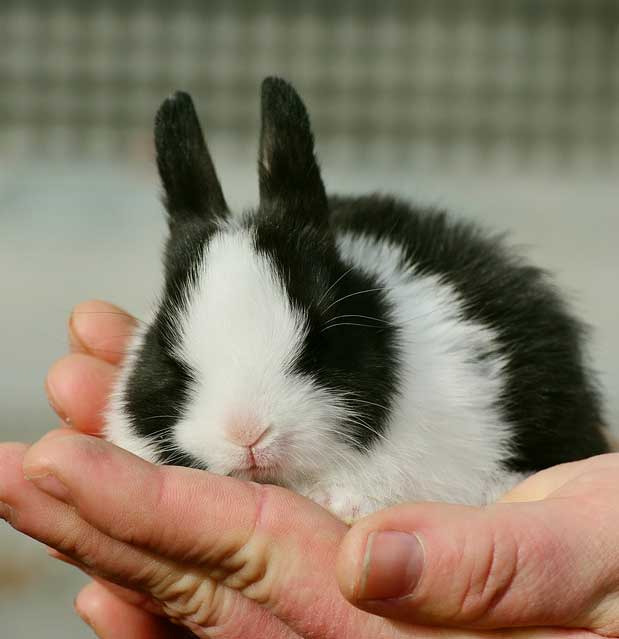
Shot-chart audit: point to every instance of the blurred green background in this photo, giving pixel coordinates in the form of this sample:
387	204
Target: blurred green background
506	111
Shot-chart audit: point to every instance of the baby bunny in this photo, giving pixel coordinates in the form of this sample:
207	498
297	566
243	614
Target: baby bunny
362	351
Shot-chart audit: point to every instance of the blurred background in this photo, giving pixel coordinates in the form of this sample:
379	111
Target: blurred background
505	111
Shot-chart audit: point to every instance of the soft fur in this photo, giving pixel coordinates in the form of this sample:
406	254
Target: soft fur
361	351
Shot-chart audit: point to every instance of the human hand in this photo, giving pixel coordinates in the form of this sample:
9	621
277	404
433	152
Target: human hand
136	527
547	554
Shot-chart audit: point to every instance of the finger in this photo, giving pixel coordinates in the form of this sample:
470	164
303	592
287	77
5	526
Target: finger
546	482
116	602
113	618
539	633
59	526
193	497
133	597
183	593
240	620
100	329
272	546
268	544
78	387
160	508
508	565
107	615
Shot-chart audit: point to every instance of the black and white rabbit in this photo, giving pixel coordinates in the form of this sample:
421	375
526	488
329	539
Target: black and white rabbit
361	351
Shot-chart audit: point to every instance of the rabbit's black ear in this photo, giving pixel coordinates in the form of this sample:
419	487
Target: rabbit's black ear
288	171
191	187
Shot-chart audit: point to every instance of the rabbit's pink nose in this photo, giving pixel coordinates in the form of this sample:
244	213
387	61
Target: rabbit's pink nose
246	432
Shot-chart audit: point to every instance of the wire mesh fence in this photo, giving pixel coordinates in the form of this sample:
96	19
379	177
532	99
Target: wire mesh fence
526	80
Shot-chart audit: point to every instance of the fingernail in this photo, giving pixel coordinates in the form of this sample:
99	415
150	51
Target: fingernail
53	402
392	565
6	512
51	485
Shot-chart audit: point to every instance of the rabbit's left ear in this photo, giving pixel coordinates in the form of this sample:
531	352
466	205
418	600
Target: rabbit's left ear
192	190
288	171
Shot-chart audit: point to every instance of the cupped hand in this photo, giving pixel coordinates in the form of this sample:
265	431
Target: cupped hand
216	556
547	554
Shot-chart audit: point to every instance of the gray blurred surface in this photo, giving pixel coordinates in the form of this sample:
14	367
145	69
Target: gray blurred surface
533	81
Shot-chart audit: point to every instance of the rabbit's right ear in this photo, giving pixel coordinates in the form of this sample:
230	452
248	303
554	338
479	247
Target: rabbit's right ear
190	182
287	166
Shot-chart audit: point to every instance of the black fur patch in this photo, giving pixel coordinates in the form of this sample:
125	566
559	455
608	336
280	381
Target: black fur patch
157	390
353	356
287	168
191	186
550	397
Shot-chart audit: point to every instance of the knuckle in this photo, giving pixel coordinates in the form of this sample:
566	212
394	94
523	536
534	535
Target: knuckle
206	594
190	597
490	576
250	568
247	565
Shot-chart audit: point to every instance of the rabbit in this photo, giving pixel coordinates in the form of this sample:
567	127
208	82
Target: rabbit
361	351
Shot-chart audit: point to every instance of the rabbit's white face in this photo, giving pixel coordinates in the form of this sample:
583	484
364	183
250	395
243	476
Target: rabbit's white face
248	411
251	413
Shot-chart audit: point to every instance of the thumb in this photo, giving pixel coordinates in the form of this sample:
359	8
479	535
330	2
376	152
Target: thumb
506	565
